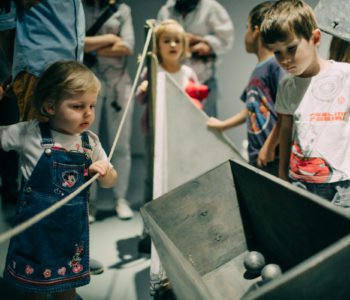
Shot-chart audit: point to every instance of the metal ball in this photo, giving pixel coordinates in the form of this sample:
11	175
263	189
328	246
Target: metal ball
254	261
271	271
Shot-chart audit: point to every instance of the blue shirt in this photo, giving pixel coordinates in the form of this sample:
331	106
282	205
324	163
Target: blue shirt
49	31
259	97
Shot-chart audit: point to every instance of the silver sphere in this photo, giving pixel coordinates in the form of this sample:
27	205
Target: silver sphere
254	261
271	271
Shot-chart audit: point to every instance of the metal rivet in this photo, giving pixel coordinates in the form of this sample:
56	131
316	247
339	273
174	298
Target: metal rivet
204	213
48	152
28	189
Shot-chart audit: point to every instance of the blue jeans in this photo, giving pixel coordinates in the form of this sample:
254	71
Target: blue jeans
324	190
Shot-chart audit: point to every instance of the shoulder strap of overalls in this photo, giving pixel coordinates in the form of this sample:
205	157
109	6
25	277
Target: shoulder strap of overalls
85	140
46	137
47	141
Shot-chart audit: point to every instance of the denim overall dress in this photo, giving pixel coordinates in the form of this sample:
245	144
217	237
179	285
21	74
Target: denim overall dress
53	255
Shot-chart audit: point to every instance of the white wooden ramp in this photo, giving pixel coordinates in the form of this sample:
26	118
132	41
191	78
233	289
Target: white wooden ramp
184	146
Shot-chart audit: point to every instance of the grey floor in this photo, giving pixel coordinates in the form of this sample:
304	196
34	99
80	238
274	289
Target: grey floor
113	242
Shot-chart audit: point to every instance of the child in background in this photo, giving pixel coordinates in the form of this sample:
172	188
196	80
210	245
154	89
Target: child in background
52	256
259	97
313	101
171	50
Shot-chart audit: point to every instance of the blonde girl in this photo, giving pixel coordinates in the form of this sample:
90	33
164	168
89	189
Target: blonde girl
52	256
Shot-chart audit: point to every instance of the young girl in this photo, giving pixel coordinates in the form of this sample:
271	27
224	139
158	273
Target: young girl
171	50
52	257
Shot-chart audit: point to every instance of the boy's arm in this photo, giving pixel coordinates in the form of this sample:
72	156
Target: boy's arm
267	151
285	138
234	121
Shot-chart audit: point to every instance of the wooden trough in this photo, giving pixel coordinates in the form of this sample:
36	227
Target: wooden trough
203	229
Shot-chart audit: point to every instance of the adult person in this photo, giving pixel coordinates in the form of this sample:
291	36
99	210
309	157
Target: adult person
210	34
46	31
112	44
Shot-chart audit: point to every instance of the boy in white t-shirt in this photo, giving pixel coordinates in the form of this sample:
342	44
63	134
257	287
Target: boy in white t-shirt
313	102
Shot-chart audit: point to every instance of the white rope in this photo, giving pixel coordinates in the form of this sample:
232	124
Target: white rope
30	222
144	52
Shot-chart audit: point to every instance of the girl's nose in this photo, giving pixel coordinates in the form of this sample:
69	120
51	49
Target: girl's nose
89	111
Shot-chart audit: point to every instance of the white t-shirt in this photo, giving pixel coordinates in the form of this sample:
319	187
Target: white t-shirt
181	77
321	133
25	138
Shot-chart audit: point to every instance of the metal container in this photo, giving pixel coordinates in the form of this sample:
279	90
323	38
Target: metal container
203	229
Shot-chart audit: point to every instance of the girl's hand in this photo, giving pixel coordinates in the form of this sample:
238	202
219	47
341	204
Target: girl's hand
100	166
143	86
108	175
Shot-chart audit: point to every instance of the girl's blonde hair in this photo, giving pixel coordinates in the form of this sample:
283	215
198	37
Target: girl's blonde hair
162	28
339	50
62	80
288	18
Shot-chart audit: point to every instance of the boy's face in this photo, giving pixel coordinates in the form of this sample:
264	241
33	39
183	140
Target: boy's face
297	55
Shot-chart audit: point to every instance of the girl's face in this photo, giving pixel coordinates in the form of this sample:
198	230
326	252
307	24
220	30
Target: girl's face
170	45
74	115
298	56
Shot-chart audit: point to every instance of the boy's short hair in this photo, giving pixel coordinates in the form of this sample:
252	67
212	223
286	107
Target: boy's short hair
287	18
257	14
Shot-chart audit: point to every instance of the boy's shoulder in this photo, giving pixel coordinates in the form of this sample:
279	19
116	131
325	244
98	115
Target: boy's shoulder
340	66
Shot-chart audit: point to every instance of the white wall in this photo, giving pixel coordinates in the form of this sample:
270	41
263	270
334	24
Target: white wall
233	72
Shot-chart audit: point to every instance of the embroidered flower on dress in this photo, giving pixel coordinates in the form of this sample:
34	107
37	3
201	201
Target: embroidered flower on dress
61	271
29	270
77	268
75	262
47	273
